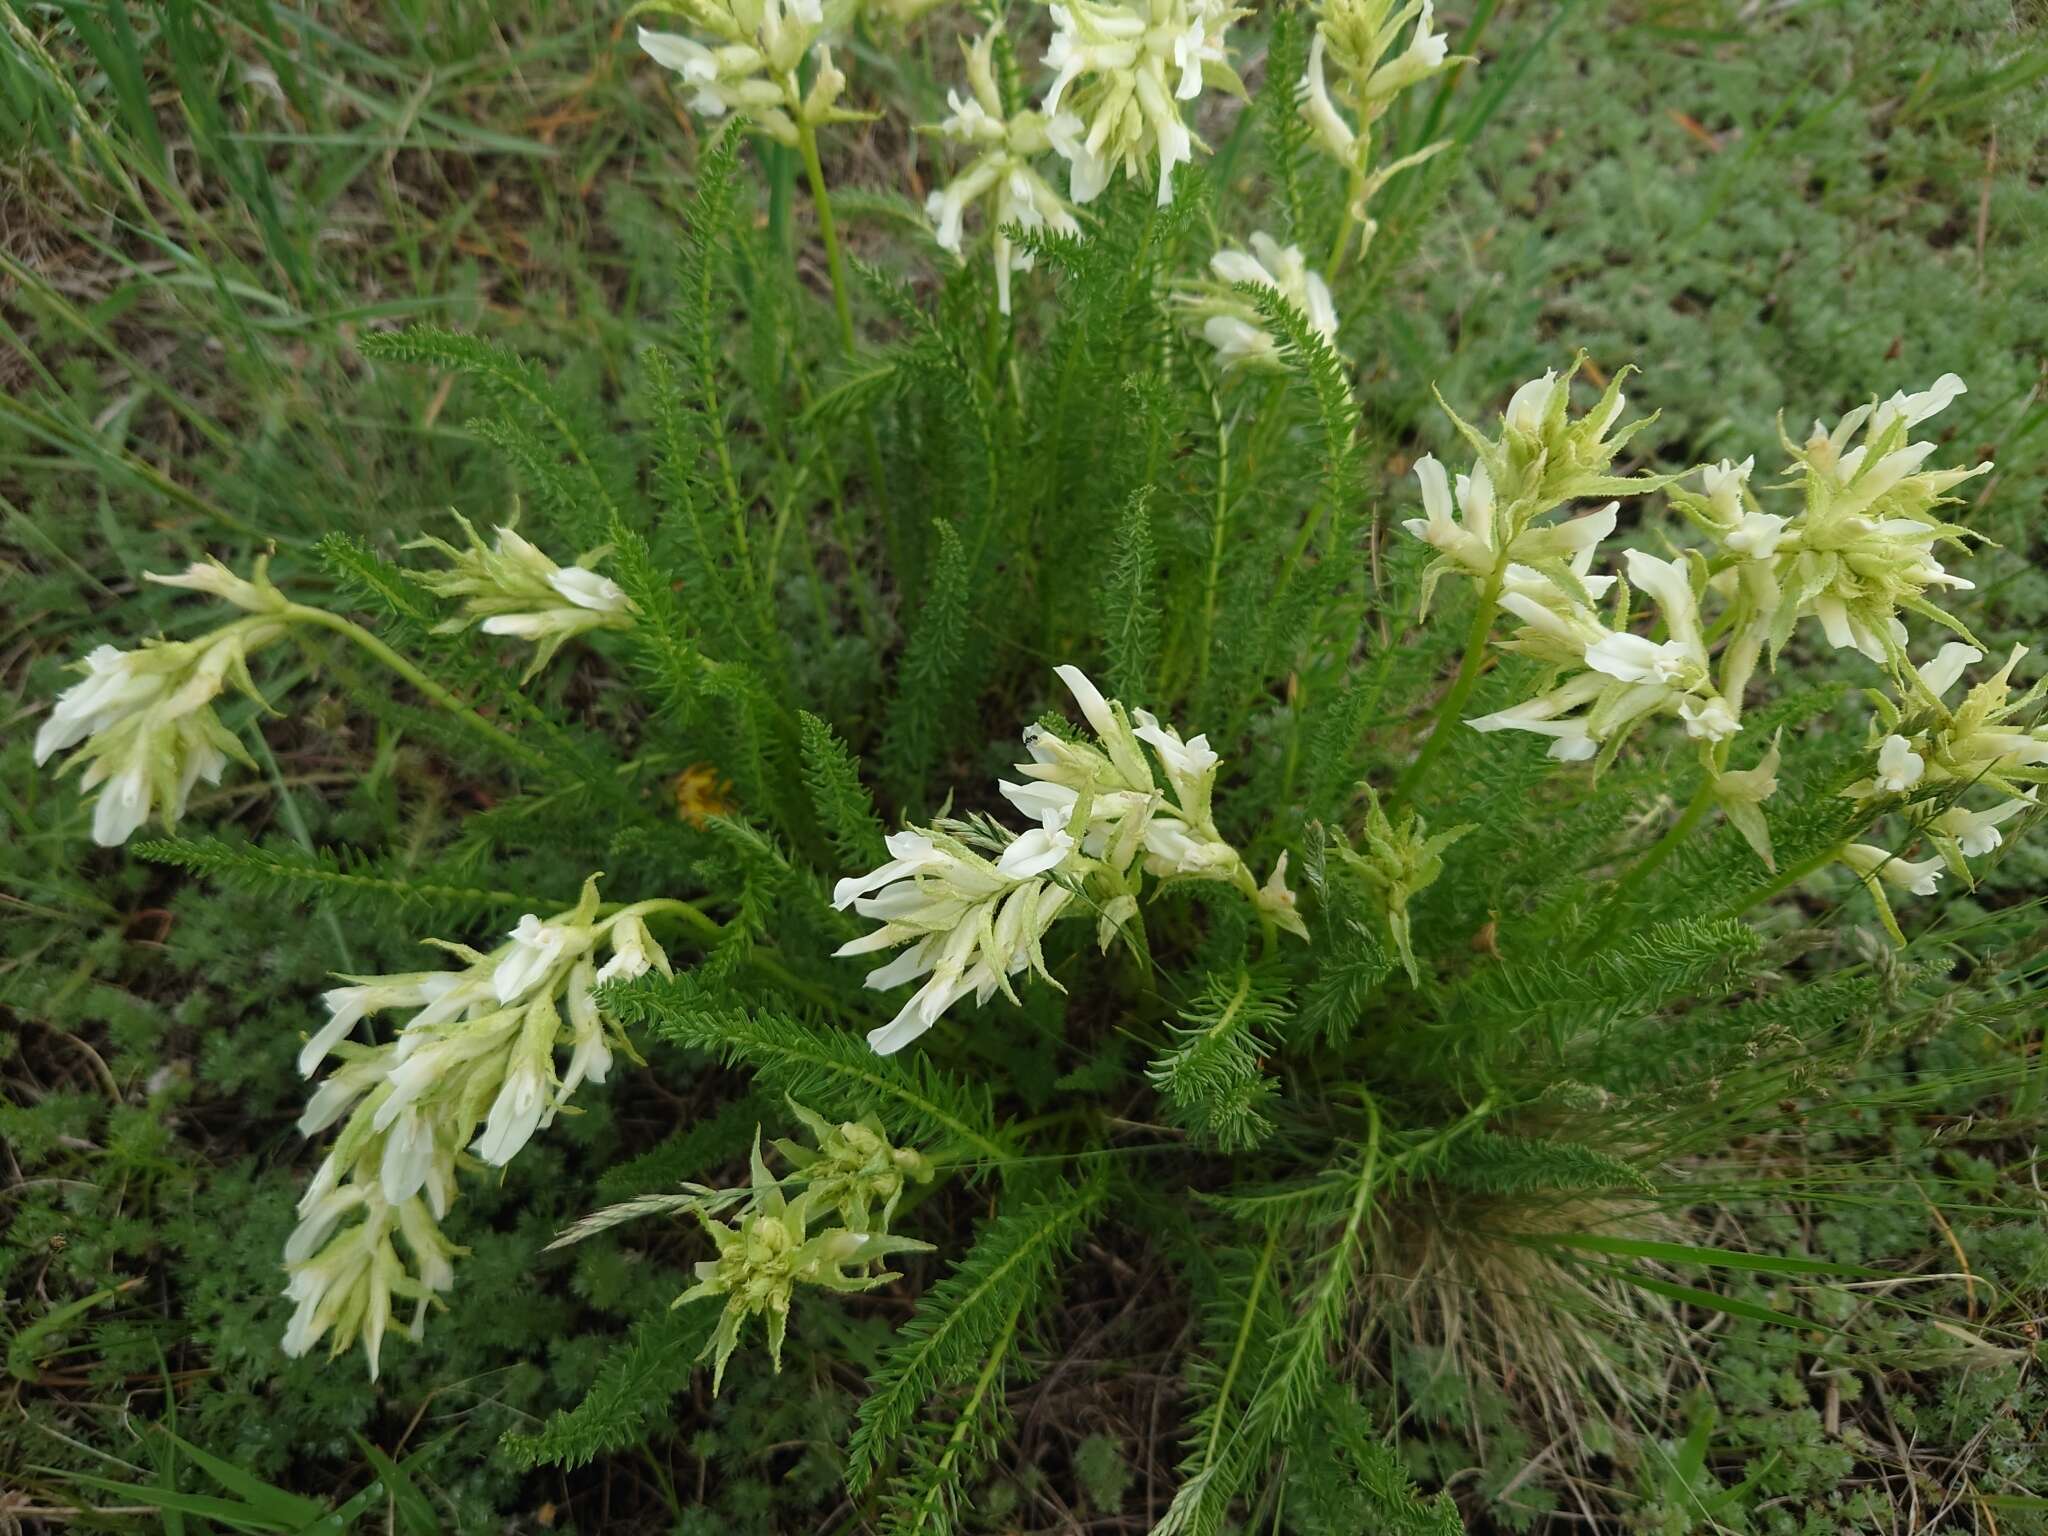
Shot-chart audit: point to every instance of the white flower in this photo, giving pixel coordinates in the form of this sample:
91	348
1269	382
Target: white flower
124	801
1546	715
1239	342
408	1156
1724	484
1532	404
511	588
1317	109
515	1114
347	1006
587	589
1001	173
535	947
1898	766
969	923
1469	543
1708	719
1874	863
1862	548
216	580
113	688
146	719
1277	901
1233	327
1424	56
909	852
752	66
1041	849
1087	171
413	1103
1358	38
1633	659
1976	832
1916	408
1946	670
1122	68
633	951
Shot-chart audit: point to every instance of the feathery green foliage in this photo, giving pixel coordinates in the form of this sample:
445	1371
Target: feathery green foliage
1333	1075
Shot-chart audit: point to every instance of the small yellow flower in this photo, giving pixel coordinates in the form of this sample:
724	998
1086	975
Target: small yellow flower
701	794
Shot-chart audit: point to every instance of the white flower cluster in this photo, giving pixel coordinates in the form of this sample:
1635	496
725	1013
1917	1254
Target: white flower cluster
517	591
1861	545
478	1051
1358	38
1234	327
750	67
1935	754
146	716
1124	69
1857	552
969	903
1001	173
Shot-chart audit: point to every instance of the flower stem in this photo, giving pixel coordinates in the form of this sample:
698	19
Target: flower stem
828	234
1461	686
301	613
692	916
1344	224
1786	881
828	230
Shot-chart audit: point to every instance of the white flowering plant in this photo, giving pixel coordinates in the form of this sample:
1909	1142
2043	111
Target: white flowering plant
1163	826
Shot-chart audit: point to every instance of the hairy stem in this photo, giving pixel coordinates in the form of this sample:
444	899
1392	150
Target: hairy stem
1342	245
1447	712
300	613
1786	881
828	229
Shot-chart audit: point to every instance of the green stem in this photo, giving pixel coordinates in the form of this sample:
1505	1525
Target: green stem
1786	881
1344	223
828	233
828	230
300	613
692	915
1219	528
1237	1353
1461	687
709	929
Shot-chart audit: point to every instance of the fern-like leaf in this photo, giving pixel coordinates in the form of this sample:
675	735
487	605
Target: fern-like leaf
1008	1272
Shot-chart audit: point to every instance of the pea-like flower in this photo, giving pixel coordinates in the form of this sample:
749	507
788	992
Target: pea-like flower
968	903
511	588
145	717
1123	69
1871	864
853	1168
969	921
1863	546
1001	175
1541	459
1977	833
474	1065
1234	327
1989	738
764	1255
1357	40
1627	677
750	67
